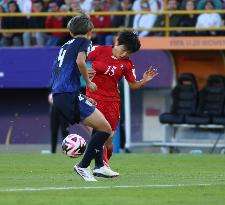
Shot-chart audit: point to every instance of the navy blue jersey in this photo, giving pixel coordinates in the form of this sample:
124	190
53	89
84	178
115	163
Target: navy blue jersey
65	73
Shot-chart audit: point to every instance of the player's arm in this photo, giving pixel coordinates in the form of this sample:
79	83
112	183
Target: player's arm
81	63
147	76
91	73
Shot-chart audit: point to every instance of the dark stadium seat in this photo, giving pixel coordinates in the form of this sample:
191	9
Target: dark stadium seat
193	109
184	96
219	120
211	103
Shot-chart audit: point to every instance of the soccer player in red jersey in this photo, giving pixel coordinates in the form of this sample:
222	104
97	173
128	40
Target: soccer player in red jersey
110	65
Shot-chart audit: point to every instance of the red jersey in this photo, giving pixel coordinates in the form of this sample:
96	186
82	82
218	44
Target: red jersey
109	71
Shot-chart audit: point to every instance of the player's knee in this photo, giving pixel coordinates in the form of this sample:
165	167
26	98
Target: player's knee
104	126
107	128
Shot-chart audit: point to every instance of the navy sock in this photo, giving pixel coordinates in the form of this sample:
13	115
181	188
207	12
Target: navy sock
98	156
99	159
94	148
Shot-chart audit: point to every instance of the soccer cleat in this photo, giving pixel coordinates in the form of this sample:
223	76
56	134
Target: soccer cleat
85	173
105	172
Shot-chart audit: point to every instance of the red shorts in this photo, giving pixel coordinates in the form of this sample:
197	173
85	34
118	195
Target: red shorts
111	111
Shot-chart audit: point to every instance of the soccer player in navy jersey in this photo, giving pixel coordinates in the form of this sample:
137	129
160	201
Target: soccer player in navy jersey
65	84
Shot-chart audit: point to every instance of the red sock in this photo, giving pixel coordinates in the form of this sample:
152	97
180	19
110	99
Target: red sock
105	155
110	151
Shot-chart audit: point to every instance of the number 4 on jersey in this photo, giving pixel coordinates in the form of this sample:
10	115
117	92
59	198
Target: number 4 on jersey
61	56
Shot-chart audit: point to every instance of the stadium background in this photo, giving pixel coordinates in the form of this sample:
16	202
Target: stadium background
25	74
28	177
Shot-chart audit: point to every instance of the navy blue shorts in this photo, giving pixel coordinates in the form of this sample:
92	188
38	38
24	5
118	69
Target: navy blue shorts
74	107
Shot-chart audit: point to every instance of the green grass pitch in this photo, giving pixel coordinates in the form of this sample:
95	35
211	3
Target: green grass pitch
145	179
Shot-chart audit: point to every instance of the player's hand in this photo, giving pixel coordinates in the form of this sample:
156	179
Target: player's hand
91	73
92	101
92	86
150	74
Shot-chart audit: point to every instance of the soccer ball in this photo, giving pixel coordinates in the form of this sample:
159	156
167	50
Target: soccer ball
74	145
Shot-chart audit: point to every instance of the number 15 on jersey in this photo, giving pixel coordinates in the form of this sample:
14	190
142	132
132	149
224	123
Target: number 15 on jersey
110	70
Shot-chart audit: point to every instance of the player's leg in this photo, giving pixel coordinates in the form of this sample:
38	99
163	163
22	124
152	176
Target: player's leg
94	150
109	145
102	168
102	107
92	117
77	109
64	125
108	149
111	111
97	122
101	127
54	125
102	131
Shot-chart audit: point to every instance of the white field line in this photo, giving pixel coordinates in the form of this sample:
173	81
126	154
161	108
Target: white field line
104	187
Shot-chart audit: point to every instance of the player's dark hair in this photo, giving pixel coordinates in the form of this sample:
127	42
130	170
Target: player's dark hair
130	40
80	25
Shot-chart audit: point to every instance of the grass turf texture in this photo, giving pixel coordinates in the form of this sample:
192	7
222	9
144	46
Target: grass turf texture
142	170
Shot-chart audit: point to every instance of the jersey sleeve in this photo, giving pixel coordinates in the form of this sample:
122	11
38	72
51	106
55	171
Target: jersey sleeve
129	72
85	46
93	53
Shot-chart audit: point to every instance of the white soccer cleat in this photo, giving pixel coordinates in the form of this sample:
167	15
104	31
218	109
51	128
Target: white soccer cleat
85	173
105	172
